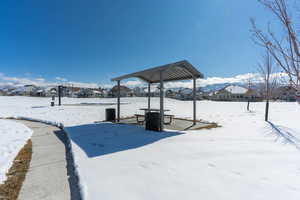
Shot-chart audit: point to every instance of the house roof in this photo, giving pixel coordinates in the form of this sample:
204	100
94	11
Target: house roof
97	92
186	91
152	89
181	70
122	88
29	86
19	89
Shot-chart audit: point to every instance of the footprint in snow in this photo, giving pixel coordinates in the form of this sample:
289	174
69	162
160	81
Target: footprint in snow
148	165
293	188
211	165
236	173
144	165
264	179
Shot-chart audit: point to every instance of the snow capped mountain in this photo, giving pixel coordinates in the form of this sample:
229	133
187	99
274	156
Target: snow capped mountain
214	87
209	88
235	89
7	87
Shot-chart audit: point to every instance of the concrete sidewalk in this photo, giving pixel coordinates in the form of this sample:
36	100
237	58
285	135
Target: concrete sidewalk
51	172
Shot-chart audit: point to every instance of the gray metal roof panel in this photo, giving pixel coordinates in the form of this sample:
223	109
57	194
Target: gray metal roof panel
181	70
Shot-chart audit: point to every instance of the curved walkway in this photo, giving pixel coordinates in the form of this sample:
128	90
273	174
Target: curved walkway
51	172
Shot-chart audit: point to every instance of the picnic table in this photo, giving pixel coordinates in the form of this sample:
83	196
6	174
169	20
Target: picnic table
138	116
153	110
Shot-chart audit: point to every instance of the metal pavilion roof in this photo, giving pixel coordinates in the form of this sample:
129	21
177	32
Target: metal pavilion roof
181	70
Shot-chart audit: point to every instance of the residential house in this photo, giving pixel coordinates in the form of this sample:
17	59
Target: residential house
143	92
105	92
286	93
29	90
124	91
85	93
236	93
154	91
184	94
50	91
19	91
139	92
187	94
208	95
97	93
171	93
40	92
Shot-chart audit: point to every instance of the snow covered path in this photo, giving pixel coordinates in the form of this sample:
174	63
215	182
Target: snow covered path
49	175
246	158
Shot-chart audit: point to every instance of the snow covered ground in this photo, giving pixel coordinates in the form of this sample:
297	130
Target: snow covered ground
13	136
246	158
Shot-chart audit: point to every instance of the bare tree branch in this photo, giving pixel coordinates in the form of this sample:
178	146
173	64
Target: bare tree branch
284	52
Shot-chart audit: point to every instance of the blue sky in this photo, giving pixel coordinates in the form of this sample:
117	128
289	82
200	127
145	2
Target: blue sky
93	41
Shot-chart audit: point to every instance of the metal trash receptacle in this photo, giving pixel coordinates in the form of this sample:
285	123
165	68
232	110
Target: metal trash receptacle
152	121
110	114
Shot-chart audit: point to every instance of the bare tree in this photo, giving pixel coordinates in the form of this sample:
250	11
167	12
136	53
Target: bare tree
285	50
266	71
249	85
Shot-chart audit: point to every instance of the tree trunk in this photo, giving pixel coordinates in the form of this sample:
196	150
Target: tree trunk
248	105
267	111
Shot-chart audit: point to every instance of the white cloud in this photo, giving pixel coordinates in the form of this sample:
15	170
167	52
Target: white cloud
61	79
214	80
81	84
131	84
242	78
134	83
40	79
17	82
107	85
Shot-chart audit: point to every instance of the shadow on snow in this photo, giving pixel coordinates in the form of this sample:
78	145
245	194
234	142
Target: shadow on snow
105	138
72	176
286	134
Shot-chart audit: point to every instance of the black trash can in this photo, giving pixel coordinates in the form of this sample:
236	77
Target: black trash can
152	121
110	114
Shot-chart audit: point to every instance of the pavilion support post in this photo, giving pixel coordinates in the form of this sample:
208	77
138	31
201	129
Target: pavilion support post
194	101
161	101
118	102
59	94
149	96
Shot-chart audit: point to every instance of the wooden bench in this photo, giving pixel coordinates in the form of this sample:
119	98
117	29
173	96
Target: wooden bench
138	116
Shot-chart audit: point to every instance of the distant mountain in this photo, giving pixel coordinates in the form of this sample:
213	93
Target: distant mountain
6	87
215	87
209	88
